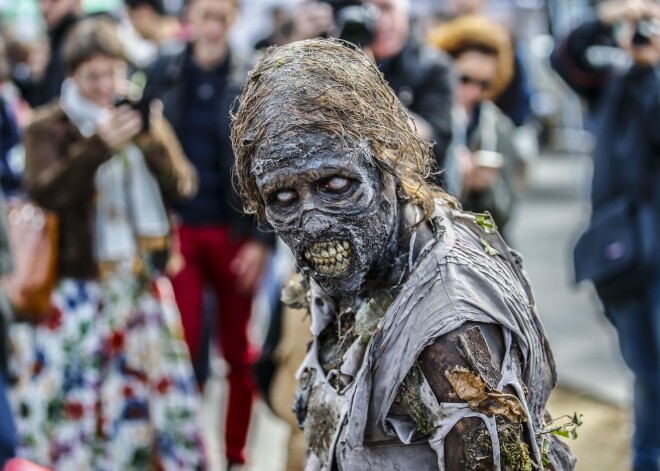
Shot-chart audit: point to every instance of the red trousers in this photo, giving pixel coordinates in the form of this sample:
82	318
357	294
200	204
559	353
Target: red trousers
208	252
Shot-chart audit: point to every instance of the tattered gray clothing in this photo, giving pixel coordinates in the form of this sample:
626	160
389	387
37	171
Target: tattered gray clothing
453	281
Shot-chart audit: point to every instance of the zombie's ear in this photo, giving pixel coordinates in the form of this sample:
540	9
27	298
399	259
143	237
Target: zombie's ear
248	139
401	193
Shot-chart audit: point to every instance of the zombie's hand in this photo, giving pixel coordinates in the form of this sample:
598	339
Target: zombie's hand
248	266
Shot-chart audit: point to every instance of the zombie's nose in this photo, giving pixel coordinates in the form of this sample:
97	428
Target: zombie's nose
315	225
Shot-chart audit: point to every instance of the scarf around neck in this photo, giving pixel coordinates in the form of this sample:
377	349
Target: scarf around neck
129	204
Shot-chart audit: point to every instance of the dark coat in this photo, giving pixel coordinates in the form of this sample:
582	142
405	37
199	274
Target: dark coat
60	165
9	137
421	78
625	112
167	81
40	91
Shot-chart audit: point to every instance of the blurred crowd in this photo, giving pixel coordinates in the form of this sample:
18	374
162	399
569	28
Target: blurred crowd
118	123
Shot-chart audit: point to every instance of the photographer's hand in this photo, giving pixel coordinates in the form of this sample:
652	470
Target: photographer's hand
613	11
311	20
120	128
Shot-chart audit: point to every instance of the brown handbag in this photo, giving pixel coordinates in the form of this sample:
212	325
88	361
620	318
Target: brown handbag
33	234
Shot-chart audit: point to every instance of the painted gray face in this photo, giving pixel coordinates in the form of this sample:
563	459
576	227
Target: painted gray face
330	204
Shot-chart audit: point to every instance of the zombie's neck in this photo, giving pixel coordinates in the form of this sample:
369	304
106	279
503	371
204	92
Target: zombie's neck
392	270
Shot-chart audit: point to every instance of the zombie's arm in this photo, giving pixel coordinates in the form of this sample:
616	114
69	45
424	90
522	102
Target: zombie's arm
462	370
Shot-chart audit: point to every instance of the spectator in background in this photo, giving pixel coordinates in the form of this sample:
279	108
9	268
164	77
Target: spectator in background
282	29
108	382
150	21
625	107
8	138
515	99
458	8
10	179
418	75
483	60
221	247
41	86
8	437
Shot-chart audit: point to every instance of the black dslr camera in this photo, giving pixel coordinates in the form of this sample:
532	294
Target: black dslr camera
355	22
142	106
644	32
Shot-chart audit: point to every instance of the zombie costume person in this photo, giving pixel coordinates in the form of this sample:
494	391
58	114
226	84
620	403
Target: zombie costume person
428	351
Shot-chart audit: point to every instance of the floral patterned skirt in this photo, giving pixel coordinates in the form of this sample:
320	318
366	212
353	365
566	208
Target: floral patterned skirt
106	382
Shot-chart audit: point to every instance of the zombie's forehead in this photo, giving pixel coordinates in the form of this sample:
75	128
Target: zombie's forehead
303	149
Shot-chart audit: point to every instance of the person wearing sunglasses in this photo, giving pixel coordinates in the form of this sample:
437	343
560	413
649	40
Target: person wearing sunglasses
487	158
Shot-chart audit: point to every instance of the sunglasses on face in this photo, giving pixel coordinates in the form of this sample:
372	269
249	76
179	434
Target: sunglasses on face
483	84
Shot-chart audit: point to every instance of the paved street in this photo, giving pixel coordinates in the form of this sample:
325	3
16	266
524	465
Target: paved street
586	352
547	224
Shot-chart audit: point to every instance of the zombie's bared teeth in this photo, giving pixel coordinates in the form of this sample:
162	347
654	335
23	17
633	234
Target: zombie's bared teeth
331	265
329	258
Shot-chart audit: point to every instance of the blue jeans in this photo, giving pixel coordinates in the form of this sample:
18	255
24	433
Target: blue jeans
637	321
7	429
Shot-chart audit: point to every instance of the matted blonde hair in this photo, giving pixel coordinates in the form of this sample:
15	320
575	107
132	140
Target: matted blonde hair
328	86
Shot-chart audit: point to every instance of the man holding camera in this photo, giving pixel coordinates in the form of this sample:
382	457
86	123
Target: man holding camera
624	100
419	75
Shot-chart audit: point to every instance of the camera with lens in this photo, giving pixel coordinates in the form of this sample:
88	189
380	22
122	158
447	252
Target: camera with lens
355	22
141	106
644	32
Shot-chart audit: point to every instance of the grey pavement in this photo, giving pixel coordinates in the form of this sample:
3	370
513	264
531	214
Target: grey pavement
551	214
549	217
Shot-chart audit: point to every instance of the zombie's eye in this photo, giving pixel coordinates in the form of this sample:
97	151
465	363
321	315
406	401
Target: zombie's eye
336	184
285	197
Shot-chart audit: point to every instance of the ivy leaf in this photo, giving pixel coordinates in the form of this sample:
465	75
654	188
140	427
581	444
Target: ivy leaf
486	222
577	419
490	250
562	432
545	453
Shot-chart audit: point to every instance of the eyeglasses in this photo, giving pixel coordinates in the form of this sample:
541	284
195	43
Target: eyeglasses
95	77
483	84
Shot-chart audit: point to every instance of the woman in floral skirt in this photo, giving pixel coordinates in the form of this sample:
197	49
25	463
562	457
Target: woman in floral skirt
106	382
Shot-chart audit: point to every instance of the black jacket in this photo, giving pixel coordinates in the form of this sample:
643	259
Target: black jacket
39	92
624	114
421	78
166	80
